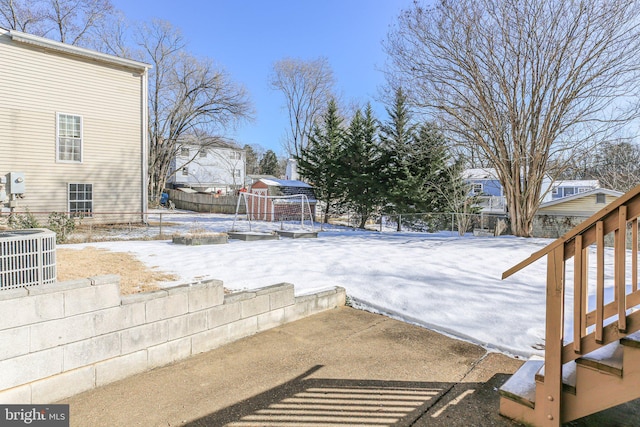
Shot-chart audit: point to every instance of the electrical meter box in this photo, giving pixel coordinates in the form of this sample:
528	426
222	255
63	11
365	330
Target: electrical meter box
15	183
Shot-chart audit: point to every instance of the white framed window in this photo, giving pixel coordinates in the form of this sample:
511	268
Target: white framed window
68	138
554	191
80	199
477	188
184	152
236	173
235	155
202	152
601	198
185	171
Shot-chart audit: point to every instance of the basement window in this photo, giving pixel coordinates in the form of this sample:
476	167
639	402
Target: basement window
80	199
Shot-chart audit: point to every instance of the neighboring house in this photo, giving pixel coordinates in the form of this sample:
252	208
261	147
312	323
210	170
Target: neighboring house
283	209
556	217
584	203
566	188
486	188
209	166
74	122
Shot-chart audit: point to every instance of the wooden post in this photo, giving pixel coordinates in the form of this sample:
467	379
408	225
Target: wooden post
553	341
620	258
599	281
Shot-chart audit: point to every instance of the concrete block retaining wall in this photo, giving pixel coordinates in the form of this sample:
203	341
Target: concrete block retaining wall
61	339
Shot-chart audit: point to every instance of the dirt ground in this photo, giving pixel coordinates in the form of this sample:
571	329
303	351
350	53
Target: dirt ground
87	262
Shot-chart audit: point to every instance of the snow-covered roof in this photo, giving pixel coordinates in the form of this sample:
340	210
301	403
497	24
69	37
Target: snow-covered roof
273	182
593	183
480	173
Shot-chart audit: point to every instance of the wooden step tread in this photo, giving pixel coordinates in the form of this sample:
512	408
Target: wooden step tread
568	377
607	359
521	387
632	340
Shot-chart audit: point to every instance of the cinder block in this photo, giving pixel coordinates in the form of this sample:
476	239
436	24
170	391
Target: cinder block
210	339
342	296
205	295
120	367
163	308
223	314
255	306
105	279
177	327
243	328
90	351
31	309
238	296
197	322
144	336
119	318
61	331
281	295
16	395
91	298
271	319
302	308
63	385
13	293
143	297
14	342
169	352
30	367
58	287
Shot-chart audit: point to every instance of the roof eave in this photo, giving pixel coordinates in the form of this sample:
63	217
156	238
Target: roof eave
45	43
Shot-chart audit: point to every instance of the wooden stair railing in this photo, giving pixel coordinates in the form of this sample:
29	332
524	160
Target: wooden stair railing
606	322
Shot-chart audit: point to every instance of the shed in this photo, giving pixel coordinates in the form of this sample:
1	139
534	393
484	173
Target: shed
274	206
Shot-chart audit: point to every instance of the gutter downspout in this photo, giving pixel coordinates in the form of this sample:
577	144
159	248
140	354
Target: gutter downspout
144	141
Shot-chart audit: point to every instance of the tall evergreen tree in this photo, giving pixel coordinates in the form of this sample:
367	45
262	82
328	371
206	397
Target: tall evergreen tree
252	165
396	136
318	162
269	163
359	165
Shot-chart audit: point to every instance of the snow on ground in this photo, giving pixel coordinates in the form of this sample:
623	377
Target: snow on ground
442	281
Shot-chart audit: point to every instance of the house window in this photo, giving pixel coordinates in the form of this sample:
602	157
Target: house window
569	191
184	152
69	141
476	189
601	198
236	173
554	191
81	199
234	155
203	152
185	171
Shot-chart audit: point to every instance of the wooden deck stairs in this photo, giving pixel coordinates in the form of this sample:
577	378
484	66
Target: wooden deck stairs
597	366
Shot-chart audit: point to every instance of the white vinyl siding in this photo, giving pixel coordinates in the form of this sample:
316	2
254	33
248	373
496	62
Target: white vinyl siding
69	140
38	84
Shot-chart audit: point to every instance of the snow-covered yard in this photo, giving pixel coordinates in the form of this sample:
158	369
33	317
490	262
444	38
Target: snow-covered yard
442	281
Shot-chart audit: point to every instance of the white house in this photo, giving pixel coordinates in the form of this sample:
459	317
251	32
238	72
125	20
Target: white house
209	165
73	130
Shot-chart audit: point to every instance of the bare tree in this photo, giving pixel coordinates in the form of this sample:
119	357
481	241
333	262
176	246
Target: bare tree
307	87
525	81
186	95
23	15
69	21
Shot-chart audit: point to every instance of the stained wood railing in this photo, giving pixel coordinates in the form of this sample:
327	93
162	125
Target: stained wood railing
608	321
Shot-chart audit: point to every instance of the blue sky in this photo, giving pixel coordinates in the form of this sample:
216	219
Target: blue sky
246	37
